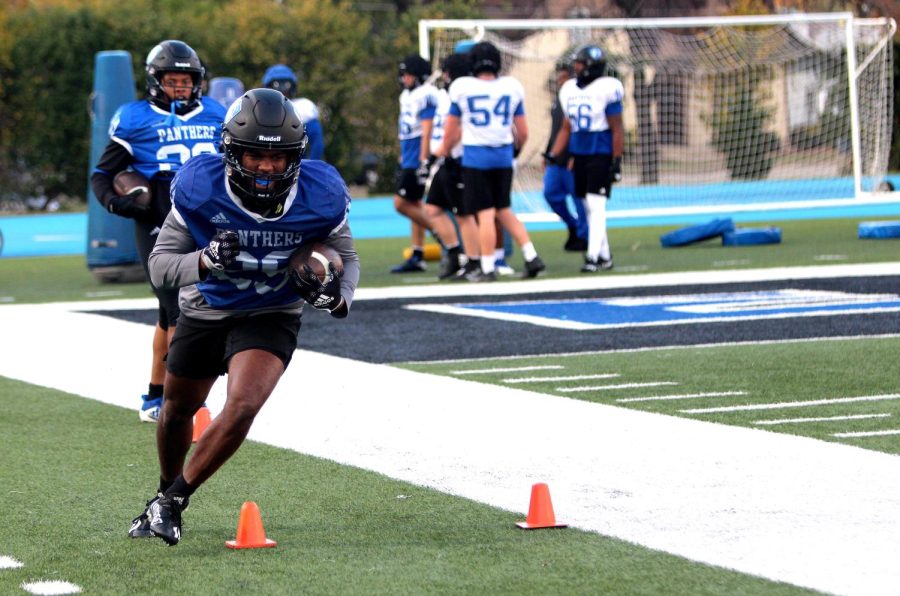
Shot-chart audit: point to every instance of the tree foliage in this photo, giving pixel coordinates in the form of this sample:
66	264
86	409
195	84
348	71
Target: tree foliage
345	60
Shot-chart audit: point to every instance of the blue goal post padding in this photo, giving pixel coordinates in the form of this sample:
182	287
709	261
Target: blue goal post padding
697	233
751	236
879	229
110	237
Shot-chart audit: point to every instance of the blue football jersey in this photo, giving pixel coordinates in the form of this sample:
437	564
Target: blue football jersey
161	141
317	205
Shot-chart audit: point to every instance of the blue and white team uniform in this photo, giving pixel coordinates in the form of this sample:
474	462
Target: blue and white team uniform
309	116
486	109
416	105
591	145
315	210
446	184
160	142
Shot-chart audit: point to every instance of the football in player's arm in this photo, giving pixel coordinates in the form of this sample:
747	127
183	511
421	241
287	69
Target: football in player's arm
154	137
235	222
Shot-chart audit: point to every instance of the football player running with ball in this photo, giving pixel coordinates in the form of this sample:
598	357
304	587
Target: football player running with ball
154	137
235	221
594	135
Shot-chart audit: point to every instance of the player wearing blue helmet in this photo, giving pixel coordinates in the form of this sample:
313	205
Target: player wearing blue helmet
282	78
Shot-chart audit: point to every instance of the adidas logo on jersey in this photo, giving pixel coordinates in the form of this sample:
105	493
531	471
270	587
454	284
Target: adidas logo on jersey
219	218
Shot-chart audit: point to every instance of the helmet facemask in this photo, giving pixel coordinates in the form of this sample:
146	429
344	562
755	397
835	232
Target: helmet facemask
263	120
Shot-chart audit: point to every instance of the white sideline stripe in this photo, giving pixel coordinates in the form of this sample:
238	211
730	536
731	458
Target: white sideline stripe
626	400
9	563
572	378
738	498
874	433
793	404
51	587
486	371
820	419
610	387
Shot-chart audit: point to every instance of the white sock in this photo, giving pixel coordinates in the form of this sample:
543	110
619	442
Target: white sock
487	264
528	251
598	242
499	254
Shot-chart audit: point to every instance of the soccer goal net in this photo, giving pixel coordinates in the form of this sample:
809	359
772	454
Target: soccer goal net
721	114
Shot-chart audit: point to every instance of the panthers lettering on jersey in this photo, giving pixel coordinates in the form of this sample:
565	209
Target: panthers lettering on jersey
317	205
587	110
437	128
416	105
161	141
486	109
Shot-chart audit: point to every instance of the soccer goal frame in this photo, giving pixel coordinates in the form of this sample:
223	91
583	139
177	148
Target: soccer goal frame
836	156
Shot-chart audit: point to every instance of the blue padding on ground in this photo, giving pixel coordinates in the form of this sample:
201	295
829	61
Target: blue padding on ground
750	236
697	233
879	229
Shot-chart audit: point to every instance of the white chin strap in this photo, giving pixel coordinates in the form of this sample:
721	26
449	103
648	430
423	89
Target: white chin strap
598	242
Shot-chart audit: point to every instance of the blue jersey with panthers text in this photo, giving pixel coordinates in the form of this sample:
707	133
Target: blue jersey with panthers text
161	141
317	205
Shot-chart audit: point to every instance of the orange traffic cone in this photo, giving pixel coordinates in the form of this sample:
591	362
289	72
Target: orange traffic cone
540	510
201	420
250	532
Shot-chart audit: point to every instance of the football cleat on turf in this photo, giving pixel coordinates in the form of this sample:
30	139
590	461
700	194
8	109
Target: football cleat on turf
165	518
574	243
468	268
140	526
451	266
533	267
414	264
479	276
150	407
503	268
591	266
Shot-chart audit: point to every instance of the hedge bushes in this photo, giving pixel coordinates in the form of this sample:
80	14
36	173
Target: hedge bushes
346	63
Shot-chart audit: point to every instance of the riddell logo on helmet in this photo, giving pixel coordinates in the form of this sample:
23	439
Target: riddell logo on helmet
268	139
183	64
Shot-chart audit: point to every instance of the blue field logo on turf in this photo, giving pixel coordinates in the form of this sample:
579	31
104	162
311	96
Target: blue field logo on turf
674	309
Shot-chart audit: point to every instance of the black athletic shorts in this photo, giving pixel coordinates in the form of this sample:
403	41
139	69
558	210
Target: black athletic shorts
591	173
201	349
408	186
145	235
486	189
446	190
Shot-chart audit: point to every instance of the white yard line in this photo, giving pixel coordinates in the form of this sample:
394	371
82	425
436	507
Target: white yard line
793	404
553	379
613	387
874	433
820	419
739	498
626	400
9	563
488	371
51	587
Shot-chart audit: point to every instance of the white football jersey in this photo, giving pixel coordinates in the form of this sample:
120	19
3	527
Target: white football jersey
486	109
306	109
416	105
437	129
587	109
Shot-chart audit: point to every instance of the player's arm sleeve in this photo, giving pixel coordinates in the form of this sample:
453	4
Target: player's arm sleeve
175	259
115	158
316	148
342	241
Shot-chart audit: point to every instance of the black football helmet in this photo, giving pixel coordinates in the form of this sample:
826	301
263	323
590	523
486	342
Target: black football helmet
485	58
594	61
262	119
173	56
416	66
457	65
